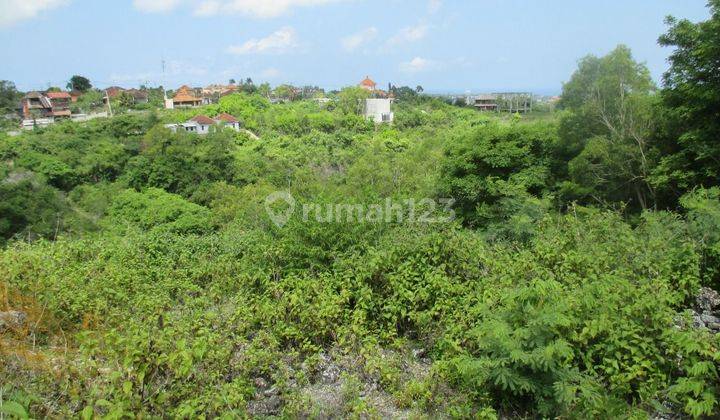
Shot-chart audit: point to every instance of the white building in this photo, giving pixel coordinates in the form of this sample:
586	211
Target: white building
379	110
201	124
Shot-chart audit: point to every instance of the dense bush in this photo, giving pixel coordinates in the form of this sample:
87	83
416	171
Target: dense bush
142	276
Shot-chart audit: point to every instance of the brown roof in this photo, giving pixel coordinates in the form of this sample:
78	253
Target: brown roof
114	91
33	95
202	119
184	95
138	94
227	118
368	82
58	95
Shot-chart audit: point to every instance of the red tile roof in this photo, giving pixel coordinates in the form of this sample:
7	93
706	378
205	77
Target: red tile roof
114	91
202	119
58	95
227	118
368	82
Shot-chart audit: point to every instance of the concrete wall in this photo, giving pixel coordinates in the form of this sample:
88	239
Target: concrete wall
379	110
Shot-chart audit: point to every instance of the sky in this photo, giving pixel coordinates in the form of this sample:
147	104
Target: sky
446	46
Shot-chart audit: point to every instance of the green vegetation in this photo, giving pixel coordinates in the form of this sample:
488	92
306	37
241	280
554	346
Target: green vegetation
153	283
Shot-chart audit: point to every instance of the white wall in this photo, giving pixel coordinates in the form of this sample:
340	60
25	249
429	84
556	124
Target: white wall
375	109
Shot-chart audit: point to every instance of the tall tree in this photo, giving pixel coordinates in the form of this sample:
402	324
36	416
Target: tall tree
9	96
692	96
79	83
606	130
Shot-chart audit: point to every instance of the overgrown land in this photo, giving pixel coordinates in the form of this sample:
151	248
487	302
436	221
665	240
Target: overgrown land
141	277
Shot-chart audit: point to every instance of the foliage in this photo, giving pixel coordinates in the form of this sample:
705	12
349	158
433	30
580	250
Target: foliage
9	96
79	83
493	167
350	100
157	209
606	132
692	98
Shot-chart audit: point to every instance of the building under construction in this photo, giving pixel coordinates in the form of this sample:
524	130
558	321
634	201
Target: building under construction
521	102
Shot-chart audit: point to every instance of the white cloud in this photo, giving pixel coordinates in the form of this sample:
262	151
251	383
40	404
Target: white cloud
156	6
278	42
352	42
434	6
269	8
418	64
13	11
208	8
409	34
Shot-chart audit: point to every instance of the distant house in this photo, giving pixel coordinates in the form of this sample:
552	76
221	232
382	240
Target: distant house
228	120
379	110
114	91
75	95
486	102
46	105
214	90
185	97
139	96
201	124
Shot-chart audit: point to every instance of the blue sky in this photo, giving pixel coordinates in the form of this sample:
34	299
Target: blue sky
443	45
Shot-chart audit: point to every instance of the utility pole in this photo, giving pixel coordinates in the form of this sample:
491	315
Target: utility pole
164	84
107	98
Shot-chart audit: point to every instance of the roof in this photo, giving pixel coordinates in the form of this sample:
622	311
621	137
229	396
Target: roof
204	120
114	91
227	118
368	82
486	97
184	95
58	95
137	93
33	95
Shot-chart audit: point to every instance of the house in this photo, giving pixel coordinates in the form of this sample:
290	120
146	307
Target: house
201	124
75	95
46	105
379	110
214	90
113	91
139	96
185	97
228	120
485	102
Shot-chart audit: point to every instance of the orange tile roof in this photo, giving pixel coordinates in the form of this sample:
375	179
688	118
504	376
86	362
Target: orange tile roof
202	119
227	118
368	82
58	95
183	95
